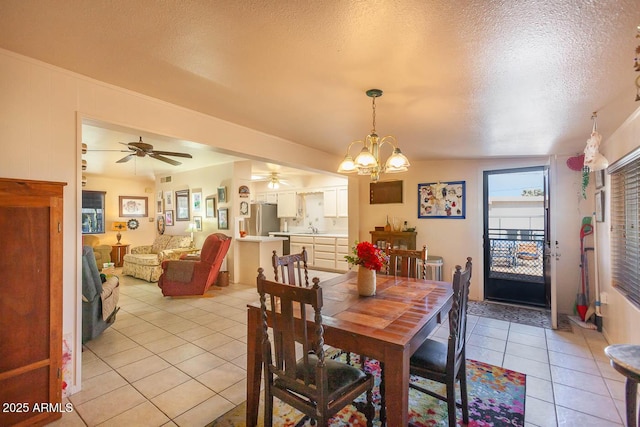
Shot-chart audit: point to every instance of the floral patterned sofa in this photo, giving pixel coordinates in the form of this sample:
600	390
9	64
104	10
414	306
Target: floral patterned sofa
144	262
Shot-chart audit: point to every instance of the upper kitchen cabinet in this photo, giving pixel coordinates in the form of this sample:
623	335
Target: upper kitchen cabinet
268	197
336	202
288	204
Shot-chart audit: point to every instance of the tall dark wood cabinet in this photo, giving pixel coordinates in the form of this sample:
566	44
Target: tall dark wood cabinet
30	302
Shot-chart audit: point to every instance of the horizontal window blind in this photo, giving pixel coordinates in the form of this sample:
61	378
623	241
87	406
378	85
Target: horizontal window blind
625	230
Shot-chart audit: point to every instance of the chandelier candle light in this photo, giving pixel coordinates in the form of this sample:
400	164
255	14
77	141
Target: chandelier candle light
367	162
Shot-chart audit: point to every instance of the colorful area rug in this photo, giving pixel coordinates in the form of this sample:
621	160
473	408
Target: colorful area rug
496	398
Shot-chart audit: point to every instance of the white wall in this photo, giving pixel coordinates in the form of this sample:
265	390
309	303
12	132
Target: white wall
41	113
455	239
114	187
619	317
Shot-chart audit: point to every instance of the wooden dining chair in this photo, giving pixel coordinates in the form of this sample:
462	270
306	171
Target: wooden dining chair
407	263
316	386
291	267
445	363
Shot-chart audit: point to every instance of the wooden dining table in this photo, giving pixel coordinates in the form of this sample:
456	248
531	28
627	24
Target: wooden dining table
388	326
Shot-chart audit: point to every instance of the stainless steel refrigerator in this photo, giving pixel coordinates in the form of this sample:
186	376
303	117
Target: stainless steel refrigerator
264	218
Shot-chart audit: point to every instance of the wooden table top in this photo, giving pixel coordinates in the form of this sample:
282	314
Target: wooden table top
398	311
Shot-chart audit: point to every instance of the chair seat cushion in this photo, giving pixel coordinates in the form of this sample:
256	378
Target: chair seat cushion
339	374
431	356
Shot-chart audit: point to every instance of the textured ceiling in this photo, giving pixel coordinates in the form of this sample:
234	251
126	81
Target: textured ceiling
461	79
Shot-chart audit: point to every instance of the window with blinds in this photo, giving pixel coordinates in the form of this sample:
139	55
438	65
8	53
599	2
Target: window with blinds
625	221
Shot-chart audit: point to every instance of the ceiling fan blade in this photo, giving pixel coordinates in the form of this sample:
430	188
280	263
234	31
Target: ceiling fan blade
164	159
126	158
171	153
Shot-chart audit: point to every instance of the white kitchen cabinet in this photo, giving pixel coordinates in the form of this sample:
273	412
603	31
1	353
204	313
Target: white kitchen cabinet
296	243
272	197
287	204
336	202
266	197
324	252
330	202
342	249
342	202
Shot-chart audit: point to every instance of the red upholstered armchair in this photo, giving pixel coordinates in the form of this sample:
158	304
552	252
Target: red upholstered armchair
194	275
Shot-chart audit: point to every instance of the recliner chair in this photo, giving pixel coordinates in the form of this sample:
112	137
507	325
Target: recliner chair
99	300
195	274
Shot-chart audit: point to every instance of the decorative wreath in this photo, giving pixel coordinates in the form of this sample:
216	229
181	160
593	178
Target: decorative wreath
132	224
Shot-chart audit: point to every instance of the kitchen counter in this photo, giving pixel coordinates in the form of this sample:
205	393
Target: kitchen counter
260	239
255	252
288	233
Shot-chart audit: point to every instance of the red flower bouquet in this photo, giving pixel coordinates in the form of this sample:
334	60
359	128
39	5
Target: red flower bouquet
367	255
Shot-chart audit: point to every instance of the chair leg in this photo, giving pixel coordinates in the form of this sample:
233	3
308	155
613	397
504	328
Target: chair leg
268	409
369	409
383	401
464	398
451	401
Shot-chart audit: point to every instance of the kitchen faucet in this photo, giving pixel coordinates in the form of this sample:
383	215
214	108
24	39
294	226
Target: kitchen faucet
314	230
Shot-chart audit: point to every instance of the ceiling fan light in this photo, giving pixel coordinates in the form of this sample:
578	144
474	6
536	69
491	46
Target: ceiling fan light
273	185
347	165
365	159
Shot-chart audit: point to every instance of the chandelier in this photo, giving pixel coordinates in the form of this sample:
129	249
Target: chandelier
367	162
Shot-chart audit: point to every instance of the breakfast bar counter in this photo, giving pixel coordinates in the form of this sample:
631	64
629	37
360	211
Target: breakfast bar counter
254	252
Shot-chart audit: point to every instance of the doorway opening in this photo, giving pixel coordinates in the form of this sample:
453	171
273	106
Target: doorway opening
516	236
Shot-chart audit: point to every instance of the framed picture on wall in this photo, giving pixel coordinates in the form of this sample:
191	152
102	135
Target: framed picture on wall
196	201
222	194
197	220
133	206
210	207
168	200
442	200
599	178
168	217
223	219
600	206
182	205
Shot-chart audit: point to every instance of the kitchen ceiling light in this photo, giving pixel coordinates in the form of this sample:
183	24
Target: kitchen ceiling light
367	162
274	182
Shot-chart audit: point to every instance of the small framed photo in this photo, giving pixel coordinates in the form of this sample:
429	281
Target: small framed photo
600	206
168	200
182	205
197	220
196	201
168	218
210	207
223	219
132	206
599	178
159	206
222	194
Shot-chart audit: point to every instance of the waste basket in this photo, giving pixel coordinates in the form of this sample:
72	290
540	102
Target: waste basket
223	279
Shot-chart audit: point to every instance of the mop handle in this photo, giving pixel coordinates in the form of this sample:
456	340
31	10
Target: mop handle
595	266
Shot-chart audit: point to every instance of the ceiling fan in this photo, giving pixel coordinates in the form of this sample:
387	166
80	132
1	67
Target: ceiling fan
141	149
273	178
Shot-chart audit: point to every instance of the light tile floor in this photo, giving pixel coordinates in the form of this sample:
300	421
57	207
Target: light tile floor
182	361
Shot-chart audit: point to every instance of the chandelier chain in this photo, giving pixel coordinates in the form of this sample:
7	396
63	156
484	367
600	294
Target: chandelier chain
373	108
